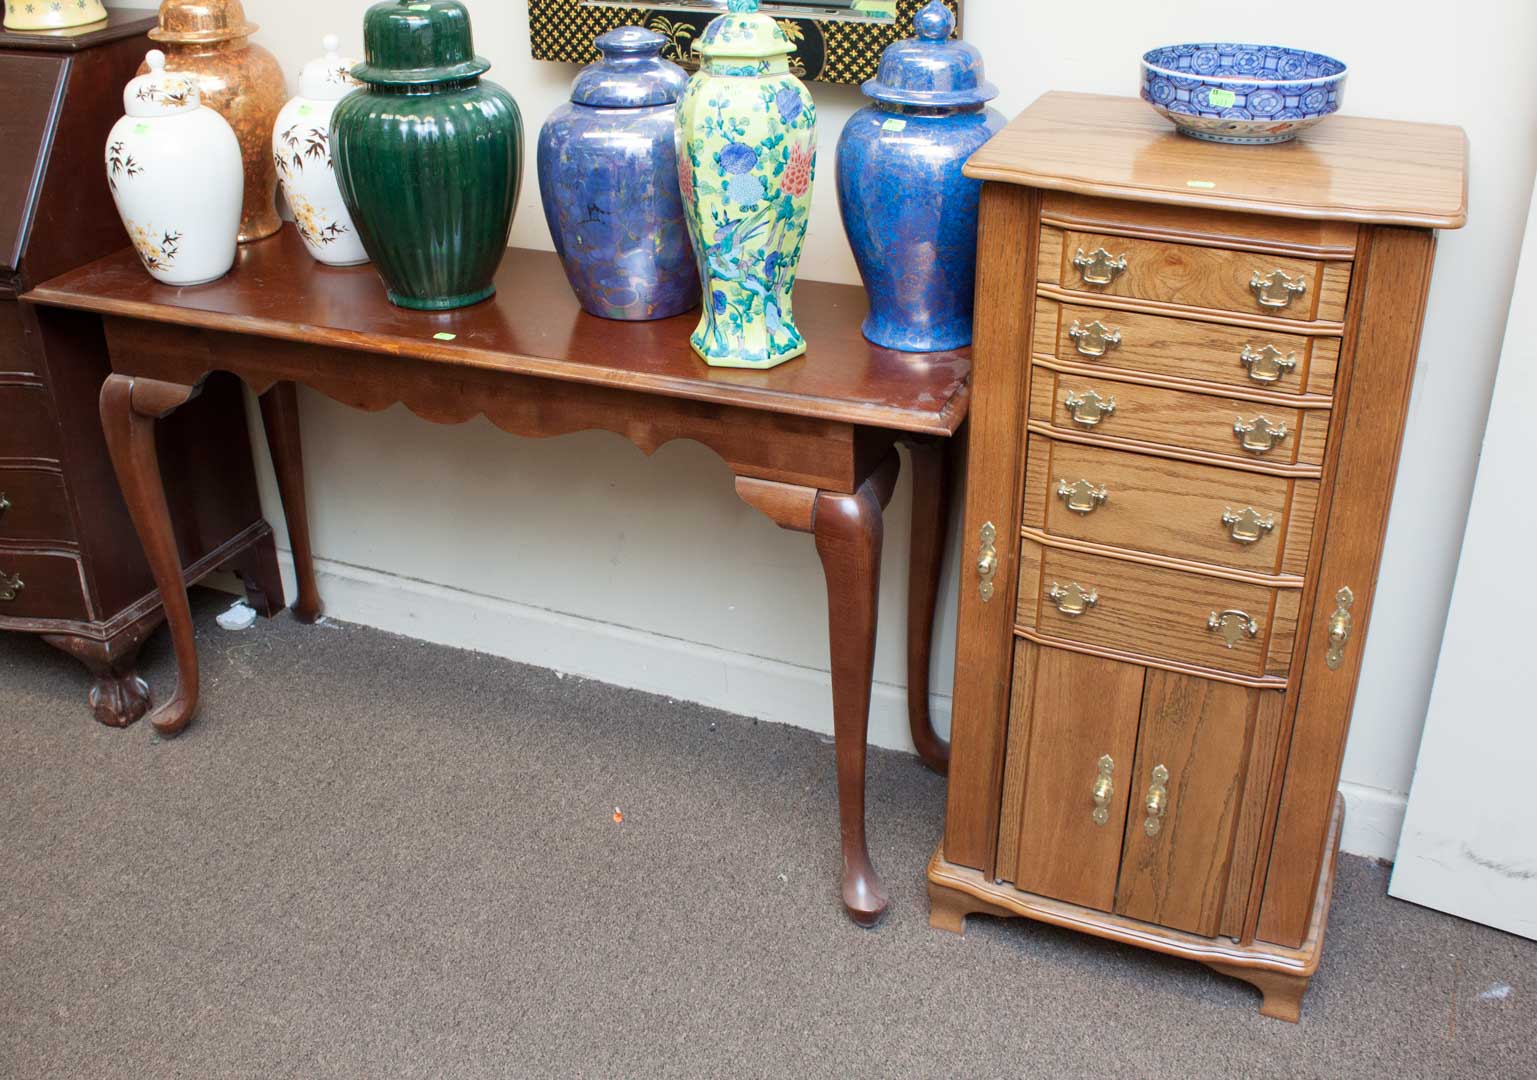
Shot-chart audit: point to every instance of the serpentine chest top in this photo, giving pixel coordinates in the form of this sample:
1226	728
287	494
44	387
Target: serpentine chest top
1193	364
812	443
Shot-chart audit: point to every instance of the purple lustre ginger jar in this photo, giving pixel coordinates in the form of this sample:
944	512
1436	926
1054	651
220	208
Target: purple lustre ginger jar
608	174
910	215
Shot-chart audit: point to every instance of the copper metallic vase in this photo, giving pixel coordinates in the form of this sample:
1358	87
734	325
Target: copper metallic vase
209	40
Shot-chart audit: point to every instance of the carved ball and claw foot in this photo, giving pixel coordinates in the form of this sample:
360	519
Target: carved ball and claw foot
119	698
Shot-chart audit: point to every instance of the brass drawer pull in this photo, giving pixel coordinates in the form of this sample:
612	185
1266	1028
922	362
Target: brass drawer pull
1234	626
987	561
1277	289
1072	600
1260	435
10	585
1088	408
1082	497
1267	365
1100	267
1104	790
1247	526
1157	801
1339	628
1094	340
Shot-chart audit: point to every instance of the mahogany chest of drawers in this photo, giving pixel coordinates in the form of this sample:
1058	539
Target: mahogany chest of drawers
1192	367
71	567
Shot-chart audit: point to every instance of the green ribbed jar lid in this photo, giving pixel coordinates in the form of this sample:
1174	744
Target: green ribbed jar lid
418	43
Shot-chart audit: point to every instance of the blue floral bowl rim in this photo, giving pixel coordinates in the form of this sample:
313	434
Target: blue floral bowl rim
1230	77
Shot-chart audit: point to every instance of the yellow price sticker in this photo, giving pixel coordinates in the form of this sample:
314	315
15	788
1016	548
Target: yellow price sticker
444	337
1221	99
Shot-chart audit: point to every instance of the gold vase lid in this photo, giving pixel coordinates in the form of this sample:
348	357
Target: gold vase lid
201	22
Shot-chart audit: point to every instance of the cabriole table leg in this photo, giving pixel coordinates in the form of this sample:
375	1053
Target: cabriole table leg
931	510
129	409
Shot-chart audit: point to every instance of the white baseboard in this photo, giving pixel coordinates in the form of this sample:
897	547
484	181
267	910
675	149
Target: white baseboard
1373	820
734	682
737	683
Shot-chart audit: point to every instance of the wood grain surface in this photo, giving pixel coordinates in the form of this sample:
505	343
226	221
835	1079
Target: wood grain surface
1153	611
1200	731
1212	279
1190	225
533	326
1171	508
1187	350
1176	418
1348	168
1005	267
1080	708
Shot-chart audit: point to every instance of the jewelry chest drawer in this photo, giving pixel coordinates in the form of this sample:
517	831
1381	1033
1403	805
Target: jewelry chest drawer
1201	513
1185	349
1193	275
1133	610
1223	426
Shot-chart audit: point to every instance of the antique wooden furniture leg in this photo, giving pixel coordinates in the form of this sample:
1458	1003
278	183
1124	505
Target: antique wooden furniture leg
849	530
258	570
931	504
1283	992
129	409
119	697
280	417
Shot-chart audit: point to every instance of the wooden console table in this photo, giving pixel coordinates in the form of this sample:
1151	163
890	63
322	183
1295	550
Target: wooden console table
812	443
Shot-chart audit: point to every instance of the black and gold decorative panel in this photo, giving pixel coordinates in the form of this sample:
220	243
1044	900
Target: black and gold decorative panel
837	41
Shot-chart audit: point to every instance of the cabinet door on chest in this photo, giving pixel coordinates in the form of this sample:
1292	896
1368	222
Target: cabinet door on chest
1137	791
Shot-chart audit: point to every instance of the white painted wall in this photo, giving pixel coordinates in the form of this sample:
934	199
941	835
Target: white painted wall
580	554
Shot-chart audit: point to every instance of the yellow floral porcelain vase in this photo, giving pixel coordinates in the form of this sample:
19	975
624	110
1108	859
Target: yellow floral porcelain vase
52	14
747	146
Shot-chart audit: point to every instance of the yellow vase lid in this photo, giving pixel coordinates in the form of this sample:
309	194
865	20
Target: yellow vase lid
52	14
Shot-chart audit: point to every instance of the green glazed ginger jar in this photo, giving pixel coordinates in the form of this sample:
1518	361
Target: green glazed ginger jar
428	156
747	150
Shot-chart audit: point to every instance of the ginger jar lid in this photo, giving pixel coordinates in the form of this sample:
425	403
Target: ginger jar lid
188	22
159	92
930	69
418	43
328	77
744	32
632	73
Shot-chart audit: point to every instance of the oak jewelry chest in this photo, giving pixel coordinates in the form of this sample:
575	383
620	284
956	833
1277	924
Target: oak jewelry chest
1192	372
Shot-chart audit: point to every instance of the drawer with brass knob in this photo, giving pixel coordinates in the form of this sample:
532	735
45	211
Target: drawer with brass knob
1194	275
34	505
1230	427
1179	509
1261	361
1156	613
41	585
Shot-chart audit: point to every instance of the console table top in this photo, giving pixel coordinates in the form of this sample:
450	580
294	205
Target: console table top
533	326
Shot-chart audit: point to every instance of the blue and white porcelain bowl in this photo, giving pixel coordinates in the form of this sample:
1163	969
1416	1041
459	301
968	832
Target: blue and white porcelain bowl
1231	93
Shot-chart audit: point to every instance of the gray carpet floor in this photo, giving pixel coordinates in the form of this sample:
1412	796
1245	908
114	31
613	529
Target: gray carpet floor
372	857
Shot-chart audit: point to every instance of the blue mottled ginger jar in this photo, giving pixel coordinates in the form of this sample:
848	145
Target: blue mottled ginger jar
608	175
910	215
